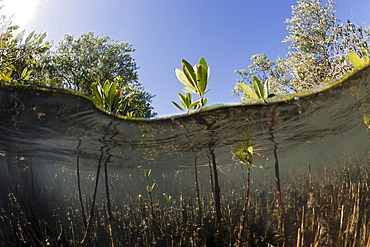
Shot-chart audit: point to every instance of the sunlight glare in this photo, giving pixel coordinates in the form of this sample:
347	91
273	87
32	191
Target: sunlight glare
20	11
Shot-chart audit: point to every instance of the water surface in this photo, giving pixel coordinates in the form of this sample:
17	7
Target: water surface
53	142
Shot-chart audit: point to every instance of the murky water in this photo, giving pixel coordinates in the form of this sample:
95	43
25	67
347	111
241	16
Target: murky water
71	174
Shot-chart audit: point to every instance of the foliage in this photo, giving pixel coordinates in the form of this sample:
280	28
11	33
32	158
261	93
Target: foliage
87	63
318	47
77	63
261	91
16	53
195	80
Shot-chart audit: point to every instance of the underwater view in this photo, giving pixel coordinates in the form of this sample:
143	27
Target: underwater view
290	171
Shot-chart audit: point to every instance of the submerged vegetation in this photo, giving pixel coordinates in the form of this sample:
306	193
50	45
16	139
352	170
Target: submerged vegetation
326	206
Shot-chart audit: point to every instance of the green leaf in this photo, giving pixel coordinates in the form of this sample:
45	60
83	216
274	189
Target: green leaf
203	62
189	98
266	89
189	90
26	74
194	105
205	101
189	73
257	87
96	92
15	27
5	77
111	96
11	67
29	37
247	90
177	105
117	98
245	153
356	61
42	37
105	88
201	79
183	79
183	101
250	150
19	37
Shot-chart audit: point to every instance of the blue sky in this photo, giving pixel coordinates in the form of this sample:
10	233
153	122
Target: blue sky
163	32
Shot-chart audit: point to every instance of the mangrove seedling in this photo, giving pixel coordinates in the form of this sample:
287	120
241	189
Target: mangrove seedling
259	91
245	155
195	80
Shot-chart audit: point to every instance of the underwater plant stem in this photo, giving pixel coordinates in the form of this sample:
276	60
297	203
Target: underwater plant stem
244	211
79	182
217	198
109	206
211	177
277	173
91	215
73	235
197	194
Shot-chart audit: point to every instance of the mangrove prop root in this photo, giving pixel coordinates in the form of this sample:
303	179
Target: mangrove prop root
109	206
244	211
91	215
79	180
277	175
217	197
